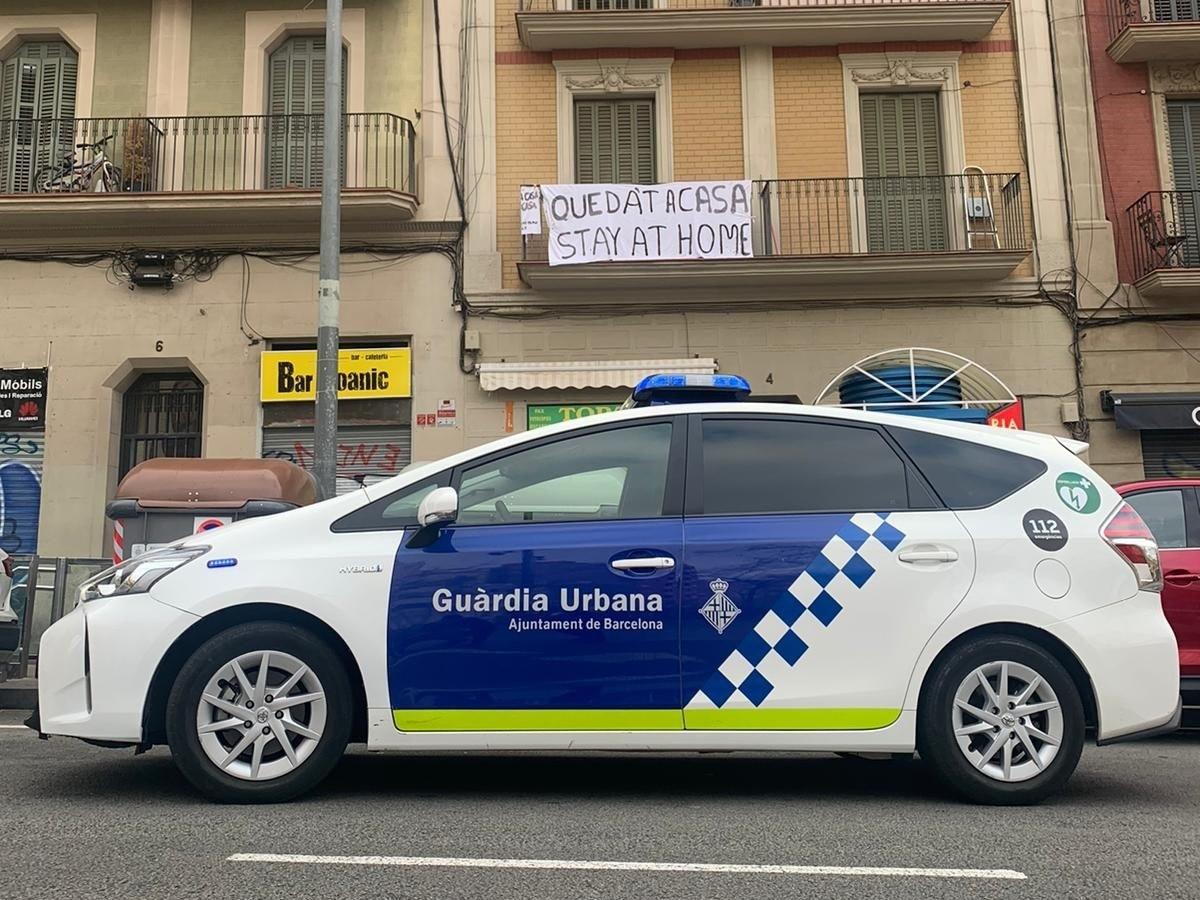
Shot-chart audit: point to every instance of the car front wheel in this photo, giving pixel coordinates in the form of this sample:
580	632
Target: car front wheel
260	713
1001	721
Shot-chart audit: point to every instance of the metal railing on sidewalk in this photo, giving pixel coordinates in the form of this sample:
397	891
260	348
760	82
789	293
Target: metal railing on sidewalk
45	588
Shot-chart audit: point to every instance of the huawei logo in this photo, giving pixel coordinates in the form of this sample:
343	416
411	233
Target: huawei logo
27	410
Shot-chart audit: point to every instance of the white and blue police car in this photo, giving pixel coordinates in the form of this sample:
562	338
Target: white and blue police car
692	573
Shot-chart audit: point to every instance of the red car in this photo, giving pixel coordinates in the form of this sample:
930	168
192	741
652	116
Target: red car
1171	507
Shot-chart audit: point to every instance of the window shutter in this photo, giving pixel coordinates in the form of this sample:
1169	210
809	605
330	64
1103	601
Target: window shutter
297	91
37	90
1180	209
614	141
644	140
585	143
902	161
8	128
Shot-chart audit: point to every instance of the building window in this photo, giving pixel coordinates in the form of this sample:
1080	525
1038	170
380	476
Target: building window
161	417
38	85
903	187
296	110
614	141
1180	206
617	114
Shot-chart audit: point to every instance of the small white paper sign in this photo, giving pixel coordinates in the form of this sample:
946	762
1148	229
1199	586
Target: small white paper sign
531	209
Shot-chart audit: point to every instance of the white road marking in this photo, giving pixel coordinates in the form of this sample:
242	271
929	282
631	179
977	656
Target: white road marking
15	727
459	862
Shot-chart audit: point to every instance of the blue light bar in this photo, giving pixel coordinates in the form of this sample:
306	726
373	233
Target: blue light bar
668	388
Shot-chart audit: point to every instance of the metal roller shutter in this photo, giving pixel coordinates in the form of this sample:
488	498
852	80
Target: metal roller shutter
20	490
366	453
1171	453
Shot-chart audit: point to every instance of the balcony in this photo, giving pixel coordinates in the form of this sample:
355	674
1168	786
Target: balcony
586	24
1154	30
821	237
212	181
1164	229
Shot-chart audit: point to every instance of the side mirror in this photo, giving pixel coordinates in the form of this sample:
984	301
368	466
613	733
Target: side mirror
440	507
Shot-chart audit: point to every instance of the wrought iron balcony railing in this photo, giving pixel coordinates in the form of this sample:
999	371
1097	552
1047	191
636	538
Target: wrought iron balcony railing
634	5
202	153
1164	230
1123	13
862	216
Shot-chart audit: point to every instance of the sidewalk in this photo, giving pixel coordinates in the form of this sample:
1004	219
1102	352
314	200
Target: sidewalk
18	693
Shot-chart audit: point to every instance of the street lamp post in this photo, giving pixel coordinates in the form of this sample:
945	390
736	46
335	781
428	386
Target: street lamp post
329	285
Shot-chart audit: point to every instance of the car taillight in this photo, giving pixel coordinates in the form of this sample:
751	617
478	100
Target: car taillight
1128	535
8	566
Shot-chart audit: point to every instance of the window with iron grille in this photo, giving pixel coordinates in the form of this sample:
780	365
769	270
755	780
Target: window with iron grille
161	417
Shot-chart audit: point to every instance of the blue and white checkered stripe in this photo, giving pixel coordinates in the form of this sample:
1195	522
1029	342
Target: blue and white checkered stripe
769	654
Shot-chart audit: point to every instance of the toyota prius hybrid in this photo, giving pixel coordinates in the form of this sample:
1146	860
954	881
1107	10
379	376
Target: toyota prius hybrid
696	572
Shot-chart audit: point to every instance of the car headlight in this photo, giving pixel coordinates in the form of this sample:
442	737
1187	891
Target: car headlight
138	575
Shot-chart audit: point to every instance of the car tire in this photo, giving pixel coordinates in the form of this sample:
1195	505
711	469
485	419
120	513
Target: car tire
313	715
1005	755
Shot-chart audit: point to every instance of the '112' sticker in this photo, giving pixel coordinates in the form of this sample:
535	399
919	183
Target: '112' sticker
1045	529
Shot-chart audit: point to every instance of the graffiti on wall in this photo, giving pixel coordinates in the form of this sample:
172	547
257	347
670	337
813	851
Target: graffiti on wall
20	492
358	464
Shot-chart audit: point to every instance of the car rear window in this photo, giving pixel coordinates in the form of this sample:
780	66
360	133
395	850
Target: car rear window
964	474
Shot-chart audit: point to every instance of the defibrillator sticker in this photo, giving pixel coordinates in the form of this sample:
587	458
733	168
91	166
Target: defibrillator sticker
1077	492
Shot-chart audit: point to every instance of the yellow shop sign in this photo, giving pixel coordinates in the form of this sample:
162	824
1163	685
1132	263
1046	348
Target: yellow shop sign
363	374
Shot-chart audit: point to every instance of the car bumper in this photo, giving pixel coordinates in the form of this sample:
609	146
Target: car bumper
96	663
1156	731
1129	651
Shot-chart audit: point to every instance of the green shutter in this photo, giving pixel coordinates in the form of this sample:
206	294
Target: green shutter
614	141
903	188
1180	209
295	106
37	110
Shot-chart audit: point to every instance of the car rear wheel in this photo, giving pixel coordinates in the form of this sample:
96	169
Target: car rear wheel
259	714
1001	721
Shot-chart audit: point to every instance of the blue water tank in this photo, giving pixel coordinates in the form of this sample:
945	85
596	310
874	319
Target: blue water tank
863	391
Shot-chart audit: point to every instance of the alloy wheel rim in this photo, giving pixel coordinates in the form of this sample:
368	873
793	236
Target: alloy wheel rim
1007	721
261	715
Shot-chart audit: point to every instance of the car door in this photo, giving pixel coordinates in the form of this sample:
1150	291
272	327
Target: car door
1173	517
552	603
817	564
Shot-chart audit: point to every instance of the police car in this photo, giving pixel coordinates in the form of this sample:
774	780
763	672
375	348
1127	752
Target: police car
716	574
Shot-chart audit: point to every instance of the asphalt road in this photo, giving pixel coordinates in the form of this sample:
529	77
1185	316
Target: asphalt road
76	821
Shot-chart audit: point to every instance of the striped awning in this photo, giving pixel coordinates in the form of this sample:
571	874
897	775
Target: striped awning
592	373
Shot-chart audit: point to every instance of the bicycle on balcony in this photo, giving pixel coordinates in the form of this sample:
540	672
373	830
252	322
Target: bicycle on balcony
97	174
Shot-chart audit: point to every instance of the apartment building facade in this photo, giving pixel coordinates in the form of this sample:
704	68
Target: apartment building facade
1141	367
164	288
905	180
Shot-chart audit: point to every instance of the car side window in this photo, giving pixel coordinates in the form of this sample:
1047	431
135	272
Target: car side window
618	473
1162	511
762	466
393	512
967	475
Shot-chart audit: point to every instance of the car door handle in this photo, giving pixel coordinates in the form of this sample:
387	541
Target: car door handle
928	556
1181	578
644	562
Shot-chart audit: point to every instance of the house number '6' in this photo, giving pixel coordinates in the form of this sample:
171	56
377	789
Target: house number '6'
158	346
